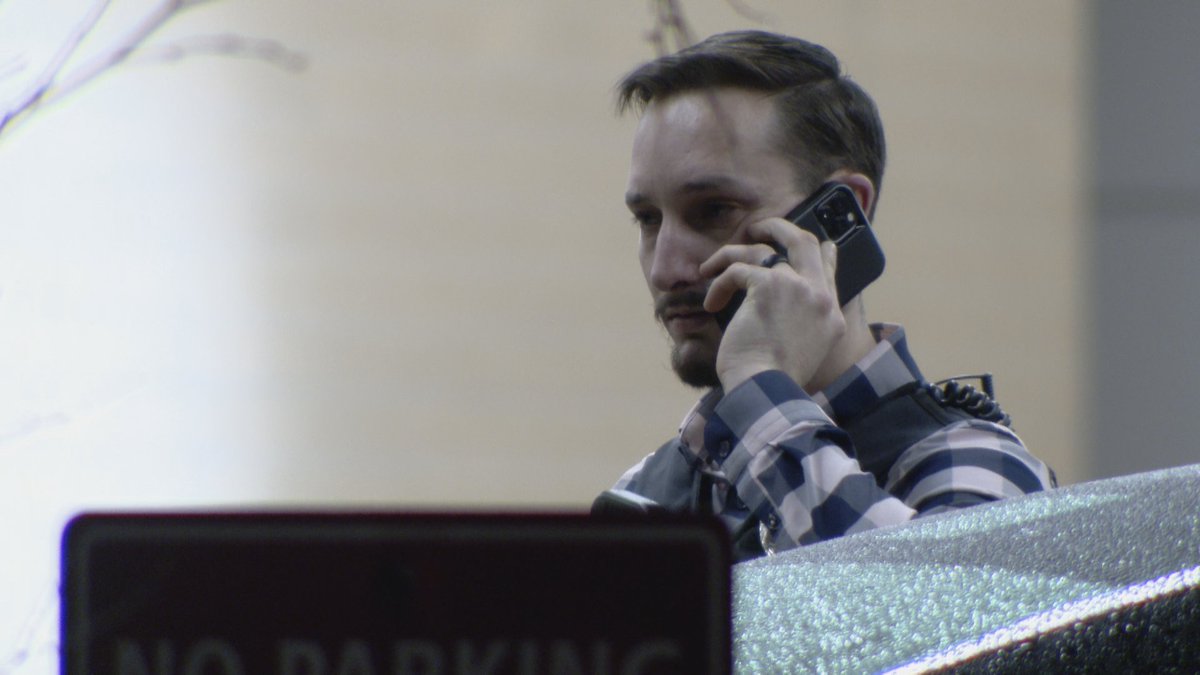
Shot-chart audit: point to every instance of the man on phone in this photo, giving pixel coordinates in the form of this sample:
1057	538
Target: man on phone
815	423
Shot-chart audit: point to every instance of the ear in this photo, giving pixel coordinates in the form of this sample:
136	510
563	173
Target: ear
862	186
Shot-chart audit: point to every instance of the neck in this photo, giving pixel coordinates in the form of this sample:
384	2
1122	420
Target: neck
856	343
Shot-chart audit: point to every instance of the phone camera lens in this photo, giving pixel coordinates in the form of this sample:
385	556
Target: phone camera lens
832	220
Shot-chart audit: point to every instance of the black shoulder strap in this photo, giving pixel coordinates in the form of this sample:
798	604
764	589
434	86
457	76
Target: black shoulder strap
897	421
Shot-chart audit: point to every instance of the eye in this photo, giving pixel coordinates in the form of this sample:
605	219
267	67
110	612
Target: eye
716	209
714	214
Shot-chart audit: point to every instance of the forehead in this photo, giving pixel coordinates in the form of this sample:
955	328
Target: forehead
706	132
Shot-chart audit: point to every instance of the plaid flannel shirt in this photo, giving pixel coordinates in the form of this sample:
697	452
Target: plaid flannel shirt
777	453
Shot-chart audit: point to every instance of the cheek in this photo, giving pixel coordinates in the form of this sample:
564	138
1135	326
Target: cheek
645	251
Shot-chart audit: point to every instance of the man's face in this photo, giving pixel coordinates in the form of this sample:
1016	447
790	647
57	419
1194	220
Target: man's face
705	165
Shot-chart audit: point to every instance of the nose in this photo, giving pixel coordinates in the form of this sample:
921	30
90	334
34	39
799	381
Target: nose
674	256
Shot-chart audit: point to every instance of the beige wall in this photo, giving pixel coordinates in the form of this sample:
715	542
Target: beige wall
450	295
405	277
454	310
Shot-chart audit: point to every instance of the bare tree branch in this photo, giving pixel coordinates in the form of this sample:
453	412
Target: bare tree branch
745	10
46	80
12	66
670	32
227	44
56	82
30	637
132	41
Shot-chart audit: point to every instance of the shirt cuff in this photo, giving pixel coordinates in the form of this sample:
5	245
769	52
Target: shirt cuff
756	413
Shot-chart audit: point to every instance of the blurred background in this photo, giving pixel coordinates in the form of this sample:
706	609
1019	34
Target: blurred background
403	277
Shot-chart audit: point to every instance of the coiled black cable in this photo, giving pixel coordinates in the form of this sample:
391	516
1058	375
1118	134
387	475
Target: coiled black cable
952	393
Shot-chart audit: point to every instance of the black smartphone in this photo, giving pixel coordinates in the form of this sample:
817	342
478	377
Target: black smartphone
832	212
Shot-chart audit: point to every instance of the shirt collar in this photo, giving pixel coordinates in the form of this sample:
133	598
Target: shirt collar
691	429
886	368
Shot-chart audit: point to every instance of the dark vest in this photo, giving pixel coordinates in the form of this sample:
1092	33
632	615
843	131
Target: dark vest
880	435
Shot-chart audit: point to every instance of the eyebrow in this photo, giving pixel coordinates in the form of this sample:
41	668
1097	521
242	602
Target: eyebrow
711	183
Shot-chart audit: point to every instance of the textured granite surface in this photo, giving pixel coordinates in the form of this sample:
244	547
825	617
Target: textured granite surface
1058	576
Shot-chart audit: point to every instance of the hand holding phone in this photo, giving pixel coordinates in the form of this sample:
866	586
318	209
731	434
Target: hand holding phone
832	212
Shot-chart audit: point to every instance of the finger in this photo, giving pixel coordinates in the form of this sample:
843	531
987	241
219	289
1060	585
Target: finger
779	232
738	276
725	256
829	255
802	247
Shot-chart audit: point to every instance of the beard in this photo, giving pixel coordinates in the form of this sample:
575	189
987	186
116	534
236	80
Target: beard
695	370
693	357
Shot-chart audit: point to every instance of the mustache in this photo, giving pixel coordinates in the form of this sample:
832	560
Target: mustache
689	300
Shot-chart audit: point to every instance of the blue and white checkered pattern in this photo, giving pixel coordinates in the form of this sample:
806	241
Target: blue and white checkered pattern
790	464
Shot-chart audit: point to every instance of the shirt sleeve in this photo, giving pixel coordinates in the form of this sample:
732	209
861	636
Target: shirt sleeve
630	480
796	470
966	463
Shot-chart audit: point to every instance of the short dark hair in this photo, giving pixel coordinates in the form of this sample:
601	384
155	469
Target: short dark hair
828	122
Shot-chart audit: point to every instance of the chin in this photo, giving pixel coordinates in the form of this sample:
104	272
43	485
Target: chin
695	362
